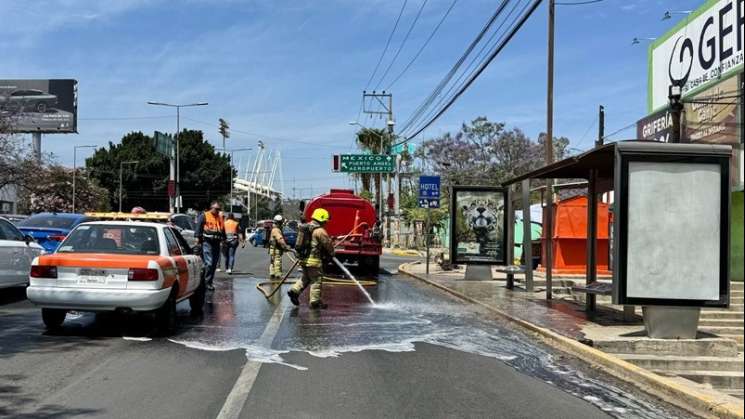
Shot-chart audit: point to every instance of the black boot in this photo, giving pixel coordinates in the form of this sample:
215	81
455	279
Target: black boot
318	305
293	297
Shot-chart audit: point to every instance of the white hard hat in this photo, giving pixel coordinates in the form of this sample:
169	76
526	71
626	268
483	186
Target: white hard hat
278	218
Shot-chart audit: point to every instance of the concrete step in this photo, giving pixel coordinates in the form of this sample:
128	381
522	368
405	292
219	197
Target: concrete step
717	379
706	346
736	307
684	363
736	300
737	286
722	330
703	323
721	314
734	393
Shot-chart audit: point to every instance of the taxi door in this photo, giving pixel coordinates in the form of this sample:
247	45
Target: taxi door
193	262
185	284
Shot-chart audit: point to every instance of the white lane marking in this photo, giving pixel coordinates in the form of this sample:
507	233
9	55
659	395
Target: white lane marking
238	395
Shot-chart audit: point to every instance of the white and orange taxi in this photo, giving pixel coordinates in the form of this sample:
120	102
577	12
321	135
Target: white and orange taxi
118	266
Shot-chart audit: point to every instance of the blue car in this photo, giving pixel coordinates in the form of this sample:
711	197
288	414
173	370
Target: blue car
257	239
49	229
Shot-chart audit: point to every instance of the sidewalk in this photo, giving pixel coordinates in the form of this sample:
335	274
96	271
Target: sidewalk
605	340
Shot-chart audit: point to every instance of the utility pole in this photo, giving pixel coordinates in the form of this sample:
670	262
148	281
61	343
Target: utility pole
390	123
676	111
379	107
224	131
548	224
174	177
601	127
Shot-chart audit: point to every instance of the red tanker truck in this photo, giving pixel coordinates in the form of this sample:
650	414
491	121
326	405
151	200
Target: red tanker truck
353	222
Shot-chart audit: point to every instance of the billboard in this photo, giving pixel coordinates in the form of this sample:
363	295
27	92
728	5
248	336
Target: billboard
478	225
701	50
45	106
711	116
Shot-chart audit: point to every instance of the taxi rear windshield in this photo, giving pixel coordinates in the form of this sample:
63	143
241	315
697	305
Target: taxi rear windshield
124	239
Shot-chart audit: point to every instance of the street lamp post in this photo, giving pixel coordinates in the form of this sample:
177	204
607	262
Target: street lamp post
75	169
175	172
121	169
231	174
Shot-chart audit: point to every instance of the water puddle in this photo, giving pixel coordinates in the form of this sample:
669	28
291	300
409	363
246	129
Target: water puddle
399	326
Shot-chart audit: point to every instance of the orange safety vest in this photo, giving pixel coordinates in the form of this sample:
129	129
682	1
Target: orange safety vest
214	226
231	229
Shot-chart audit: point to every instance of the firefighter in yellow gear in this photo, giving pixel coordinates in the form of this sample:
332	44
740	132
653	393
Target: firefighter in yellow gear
320	248
277	247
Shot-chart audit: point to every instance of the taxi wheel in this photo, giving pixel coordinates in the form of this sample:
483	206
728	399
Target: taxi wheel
165	317
53	318
196	301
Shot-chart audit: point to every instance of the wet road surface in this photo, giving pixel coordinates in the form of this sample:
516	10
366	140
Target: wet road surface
417	353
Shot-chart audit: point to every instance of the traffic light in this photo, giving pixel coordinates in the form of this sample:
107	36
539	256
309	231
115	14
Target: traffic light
224	128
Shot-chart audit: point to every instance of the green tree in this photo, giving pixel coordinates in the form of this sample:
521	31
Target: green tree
205	174
52	192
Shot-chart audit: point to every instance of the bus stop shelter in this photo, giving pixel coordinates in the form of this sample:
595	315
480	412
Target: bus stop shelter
606	168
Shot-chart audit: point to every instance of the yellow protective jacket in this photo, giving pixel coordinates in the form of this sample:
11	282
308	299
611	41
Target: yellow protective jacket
277	240
321	247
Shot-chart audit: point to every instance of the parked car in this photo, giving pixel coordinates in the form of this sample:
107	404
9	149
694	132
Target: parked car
49	229
15	218
28	100
258	236
185	225
118	266
17	251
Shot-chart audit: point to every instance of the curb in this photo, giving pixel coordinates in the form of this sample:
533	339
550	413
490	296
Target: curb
405	252
693	400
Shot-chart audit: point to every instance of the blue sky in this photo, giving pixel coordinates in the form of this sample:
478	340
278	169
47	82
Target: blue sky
291	72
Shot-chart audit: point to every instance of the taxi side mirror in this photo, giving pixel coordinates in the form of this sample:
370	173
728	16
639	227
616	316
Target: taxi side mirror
28	239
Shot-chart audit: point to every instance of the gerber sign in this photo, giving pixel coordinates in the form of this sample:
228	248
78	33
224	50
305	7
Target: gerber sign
704	48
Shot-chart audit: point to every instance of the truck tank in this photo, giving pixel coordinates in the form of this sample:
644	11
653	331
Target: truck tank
355	215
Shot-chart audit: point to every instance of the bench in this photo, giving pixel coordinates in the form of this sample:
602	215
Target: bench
603	288
511	270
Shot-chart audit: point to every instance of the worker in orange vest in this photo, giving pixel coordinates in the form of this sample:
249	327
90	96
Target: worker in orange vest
210	233
233	237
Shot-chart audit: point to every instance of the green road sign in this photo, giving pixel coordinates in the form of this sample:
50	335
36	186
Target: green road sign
367	163
163	143
399	148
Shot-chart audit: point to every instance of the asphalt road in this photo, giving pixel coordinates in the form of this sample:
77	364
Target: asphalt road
416	353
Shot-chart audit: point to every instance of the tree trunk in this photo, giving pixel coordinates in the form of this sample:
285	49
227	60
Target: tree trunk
365	182
378	185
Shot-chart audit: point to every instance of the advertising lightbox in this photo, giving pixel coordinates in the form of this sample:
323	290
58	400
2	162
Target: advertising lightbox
478	225
44	106
671	225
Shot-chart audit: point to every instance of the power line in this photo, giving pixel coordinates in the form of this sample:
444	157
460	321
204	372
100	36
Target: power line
263	136
454	69
424	45
403	42
578	3
124	118
487	46
387	44
631	125
527	12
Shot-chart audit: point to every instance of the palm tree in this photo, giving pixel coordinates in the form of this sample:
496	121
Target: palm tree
373	141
